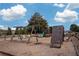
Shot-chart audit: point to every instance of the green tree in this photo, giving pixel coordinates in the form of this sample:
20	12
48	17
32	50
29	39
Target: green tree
24	30
50	29
77	28
38	23
9	32
20	30
74	27
16	31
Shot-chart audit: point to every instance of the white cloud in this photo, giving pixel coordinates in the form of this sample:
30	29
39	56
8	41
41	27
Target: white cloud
3	27
69	14
59	20
66	15
14	12
59	5
6	28
13	28
72	6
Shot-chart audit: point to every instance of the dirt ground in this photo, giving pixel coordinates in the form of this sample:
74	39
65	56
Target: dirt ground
22	48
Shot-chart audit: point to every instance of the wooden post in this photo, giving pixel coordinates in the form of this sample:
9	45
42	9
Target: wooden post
33	29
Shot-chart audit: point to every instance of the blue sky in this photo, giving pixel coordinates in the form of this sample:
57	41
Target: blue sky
17	14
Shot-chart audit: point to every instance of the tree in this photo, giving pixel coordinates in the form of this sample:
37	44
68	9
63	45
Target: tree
38	23
50	29
74	28
24	30
78	29
16	31
21	30
9	32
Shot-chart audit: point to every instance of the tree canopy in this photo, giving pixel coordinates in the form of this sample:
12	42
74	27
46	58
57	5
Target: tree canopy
38	23
74	28
20	30
9	32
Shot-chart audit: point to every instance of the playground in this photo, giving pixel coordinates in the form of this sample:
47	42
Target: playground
18	47
56	44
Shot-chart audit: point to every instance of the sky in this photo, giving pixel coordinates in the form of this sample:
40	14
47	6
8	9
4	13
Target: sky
18	14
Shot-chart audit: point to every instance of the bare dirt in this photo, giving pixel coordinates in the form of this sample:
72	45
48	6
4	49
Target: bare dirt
22	48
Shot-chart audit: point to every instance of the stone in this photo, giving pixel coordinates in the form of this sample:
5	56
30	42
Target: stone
57	36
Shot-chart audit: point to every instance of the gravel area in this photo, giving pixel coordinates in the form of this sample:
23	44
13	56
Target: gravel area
19	47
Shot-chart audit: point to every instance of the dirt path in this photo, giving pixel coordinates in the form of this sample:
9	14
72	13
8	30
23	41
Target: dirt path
21	48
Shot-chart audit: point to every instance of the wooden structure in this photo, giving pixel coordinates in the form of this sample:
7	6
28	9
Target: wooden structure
33	29
19	34
57	36
3	34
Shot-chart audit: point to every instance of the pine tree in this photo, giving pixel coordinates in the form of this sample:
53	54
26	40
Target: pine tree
38	22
